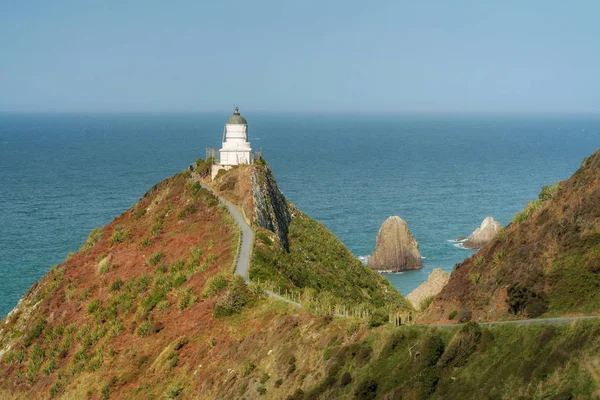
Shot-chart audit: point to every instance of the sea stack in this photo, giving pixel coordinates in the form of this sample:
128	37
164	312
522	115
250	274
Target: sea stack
395	249
434	284
484	234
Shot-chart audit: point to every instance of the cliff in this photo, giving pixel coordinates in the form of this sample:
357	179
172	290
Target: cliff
543	263
395	248
271	209
483	234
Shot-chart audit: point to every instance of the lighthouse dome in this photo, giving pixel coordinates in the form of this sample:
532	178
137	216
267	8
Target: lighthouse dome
236	119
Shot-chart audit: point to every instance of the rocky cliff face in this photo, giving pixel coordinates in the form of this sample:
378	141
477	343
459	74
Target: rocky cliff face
434	284
271	210
484	234
396	249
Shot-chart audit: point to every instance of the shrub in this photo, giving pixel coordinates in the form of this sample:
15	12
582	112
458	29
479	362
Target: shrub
103	266
378	317
187	299
231	302
139	213
522	299
155	258
195	256
548	192
264	378
426	302
162	305
278	382
261	390
474	277
214	286
464	315
92	239
144	329
452	315
93	306
462	345
248	368
220	174
527	212
119	235
144	243
345	379
211	201
366	390
431	350
174	390
156	228
116	285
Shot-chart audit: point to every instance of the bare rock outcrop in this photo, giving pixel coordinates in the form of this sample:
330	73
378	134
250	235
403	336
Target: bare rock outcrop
484	234
271	209
434	284
395	249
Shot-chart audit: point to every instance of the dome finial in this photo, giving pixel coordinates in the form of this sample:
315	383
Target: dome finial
236	111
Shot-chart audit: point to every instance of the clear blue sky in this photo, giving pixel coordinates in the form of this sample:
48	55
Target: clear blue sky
396	56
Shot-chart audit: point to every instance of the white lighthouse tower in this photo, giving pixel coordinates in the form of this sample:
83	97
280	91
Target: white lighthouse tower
236	148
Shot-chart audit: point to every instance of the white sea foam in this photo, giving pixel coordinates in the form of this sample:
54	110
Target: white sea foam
456	240
364	259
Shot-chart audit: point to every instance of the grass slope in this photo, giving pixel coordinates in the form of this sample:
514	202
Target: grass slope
319	263
546	262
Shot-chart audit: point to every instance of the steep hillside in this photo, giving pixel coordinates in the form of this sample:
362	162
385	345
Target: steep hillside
546	262
150	299
148	308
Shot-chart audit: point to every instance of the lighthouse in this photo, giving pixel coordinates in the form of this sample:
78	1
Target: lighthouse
235	149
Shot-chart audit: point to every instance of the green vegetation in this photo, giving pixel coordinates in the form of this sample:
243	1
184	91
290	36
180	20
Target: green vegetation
144	243
573	281
144	329
318	260
214	285
119	235
203	167
174	390
516	362
155	258
426	302
187	299
91	240
547	193
234	299
220	174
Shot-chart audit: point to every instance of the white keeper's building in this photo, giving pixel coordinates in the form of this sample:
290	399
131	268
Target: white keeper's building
235	149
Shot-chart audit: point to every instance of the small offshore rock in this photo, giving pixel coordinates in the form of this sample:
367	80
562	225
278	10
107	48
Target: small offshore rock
484	234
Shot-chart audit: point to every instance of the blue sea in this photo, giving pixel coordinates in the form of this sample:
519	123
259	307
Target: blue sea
61	175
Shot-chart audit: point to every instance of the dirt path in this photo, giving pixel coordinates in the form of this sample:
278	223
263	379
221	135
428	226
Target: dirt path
538	321
242	264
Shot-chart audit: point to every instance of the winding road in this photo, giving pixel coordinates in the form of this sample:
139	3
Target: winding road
242	263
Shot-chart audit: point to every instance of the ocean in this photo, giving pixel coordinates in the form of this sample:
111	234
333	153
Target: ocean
61	175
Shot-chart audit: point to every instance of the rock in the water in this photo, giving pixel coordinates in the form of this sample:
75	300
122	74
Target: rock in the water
434	284
461	239
396	249
484	234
